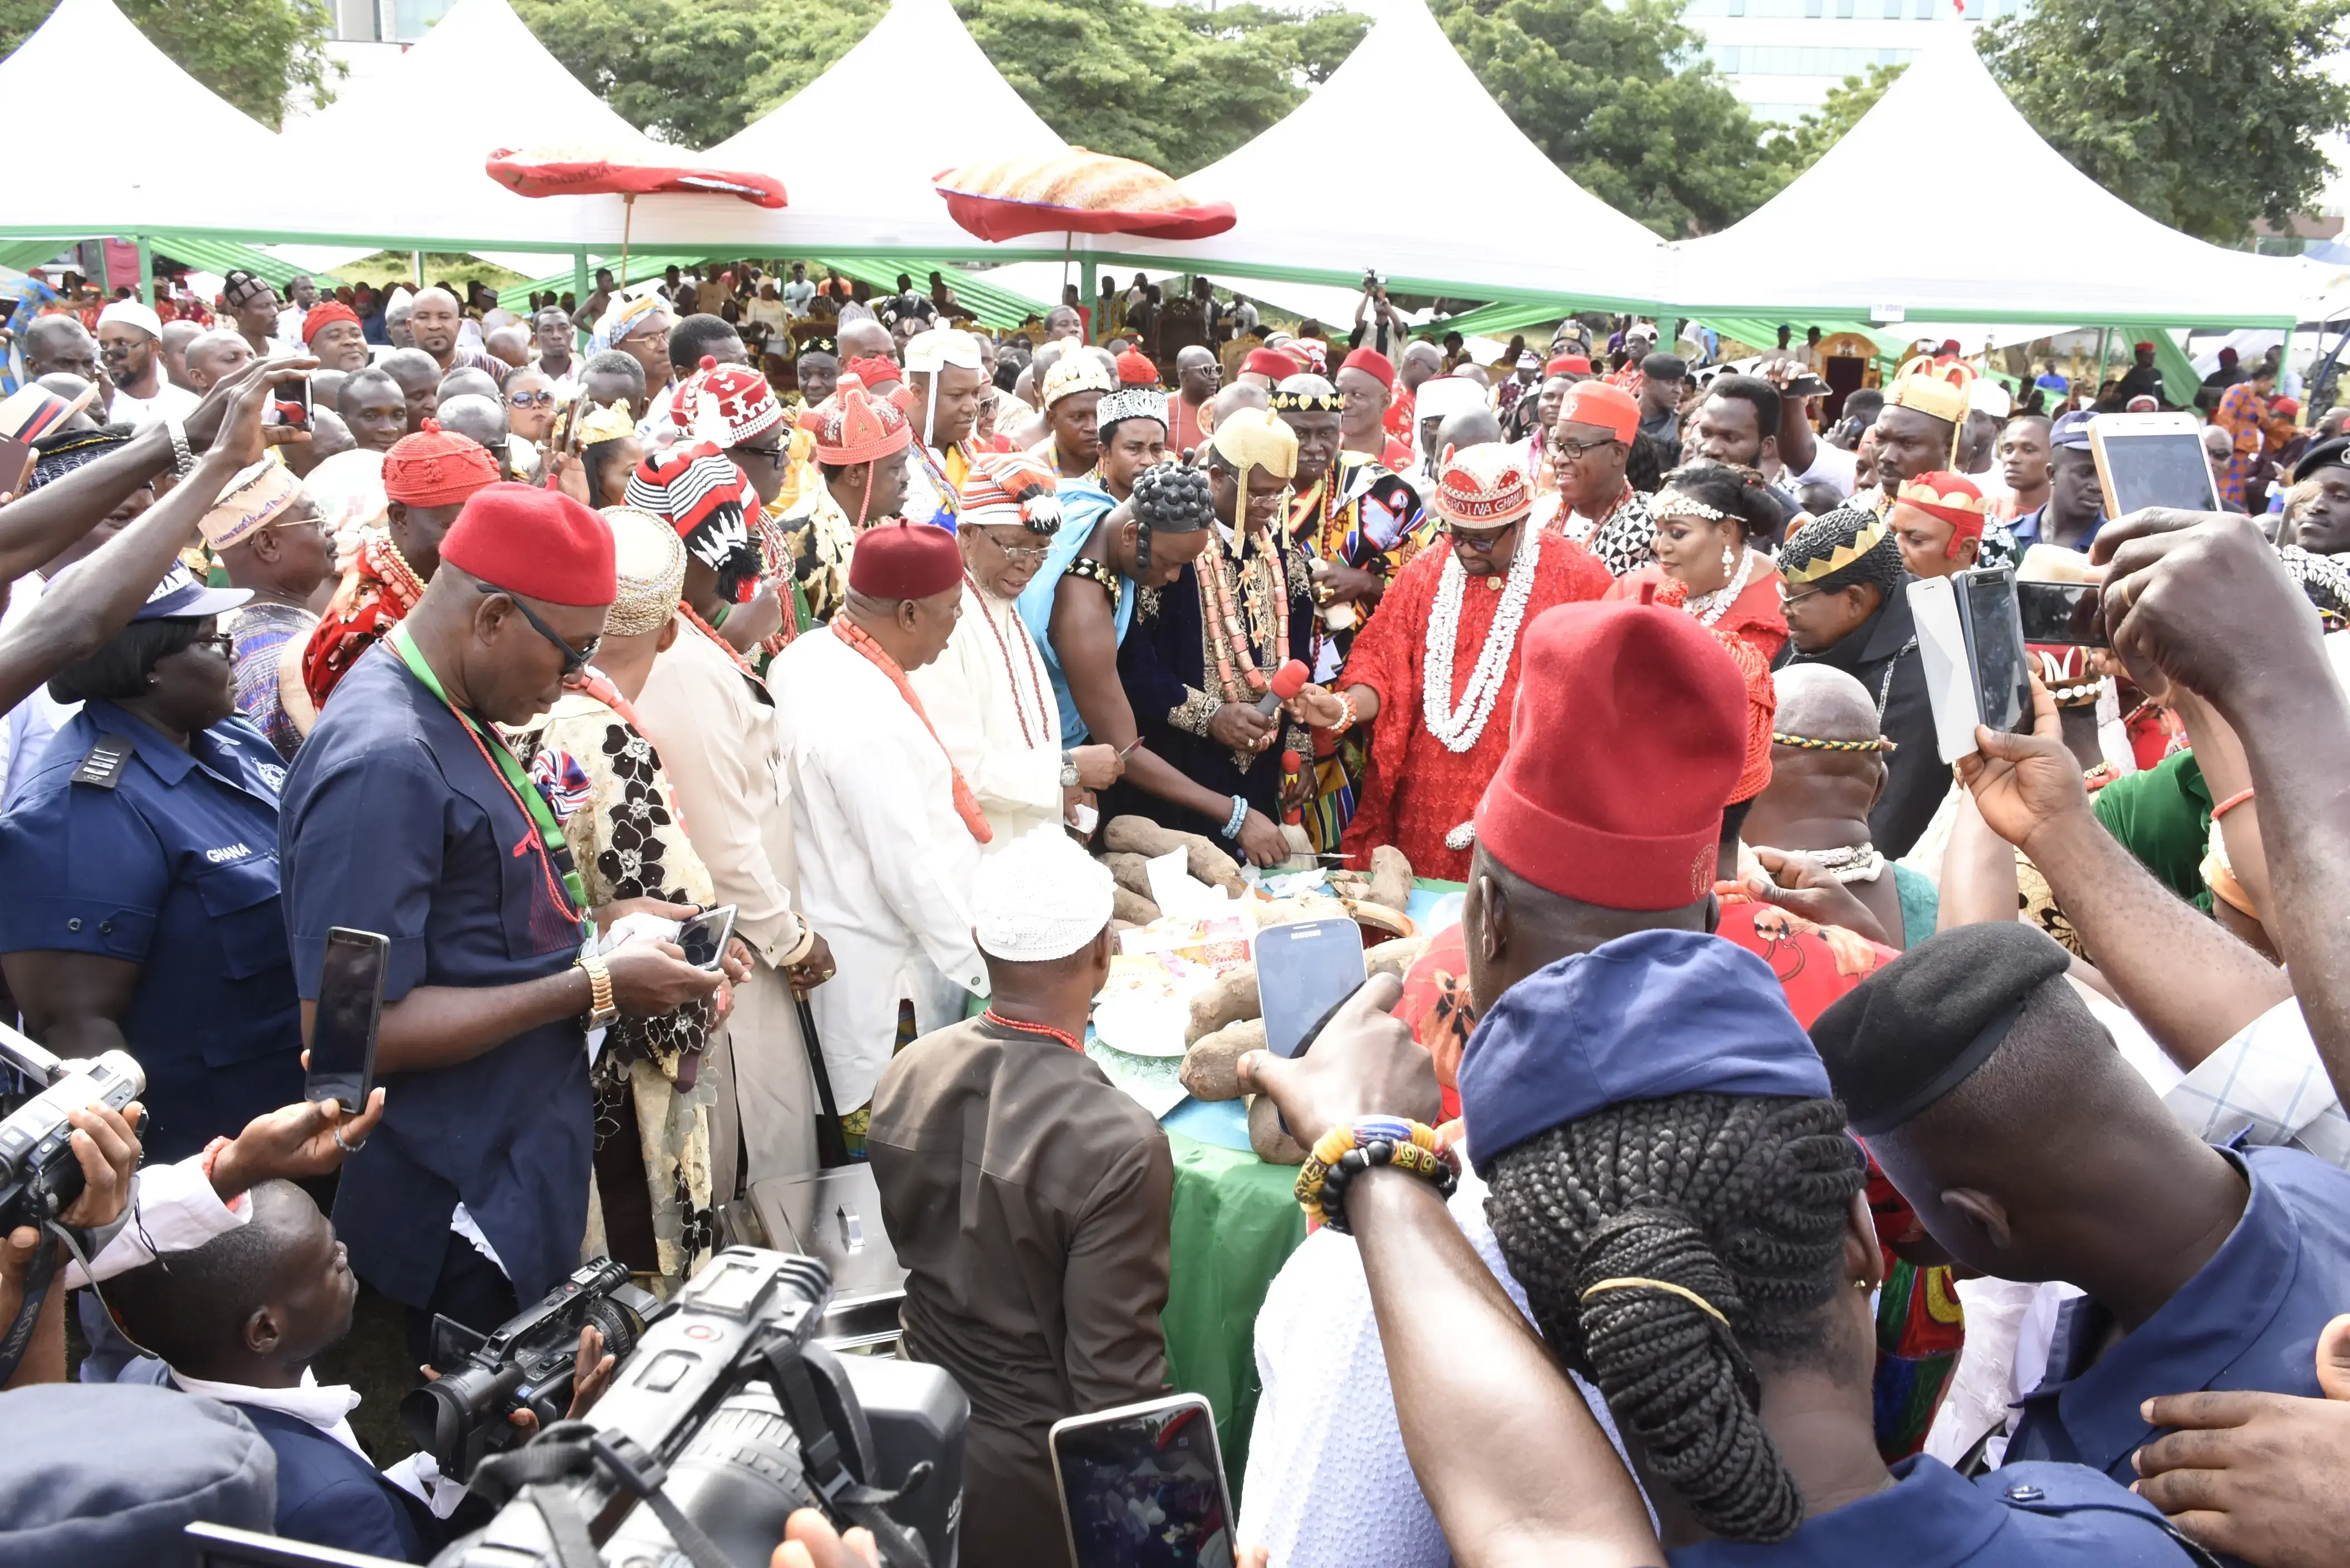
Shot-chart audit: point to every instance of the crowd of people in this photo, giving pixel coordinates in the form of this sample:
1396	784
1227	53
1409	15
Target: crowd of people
1818	1153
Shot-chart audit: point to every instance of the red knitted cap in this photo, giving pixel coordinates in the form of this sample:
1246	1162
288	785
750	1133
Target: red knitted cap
1601	403
538	543
1628	738
909	561
436	468
1372	360
325	313
1567	365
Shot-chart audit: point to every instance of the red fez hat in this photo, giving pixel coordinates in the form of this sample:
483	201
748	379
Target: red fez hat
875	371
2228	356
538	543
2142	347
436	468
1629	736
325	313
1601	403
1272	362
1134	370
1567	365
1373	361
909	561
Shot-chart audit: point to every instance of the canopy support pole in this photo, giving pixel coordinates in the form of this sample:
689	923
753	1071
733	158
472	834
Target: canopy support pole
417	259
2105	342
628	218
146	270
579	275
1092	297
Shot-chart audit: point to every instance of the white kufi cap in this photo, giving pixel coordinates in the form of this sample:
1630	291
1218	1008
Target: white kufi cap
1040	897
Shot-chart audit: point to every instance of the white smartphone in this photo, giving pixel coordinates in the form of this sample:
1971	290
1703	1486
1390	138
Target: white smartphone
1143	1486
1971	646
2152	459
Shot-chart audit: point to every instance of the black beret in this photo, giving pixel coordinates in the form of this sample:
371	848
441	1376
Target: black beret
1920	1027
2334	453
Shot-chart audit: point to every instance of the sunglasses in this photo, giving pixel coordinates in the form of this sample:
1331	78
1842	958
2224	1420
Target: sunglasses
1484	543
530	399
575	659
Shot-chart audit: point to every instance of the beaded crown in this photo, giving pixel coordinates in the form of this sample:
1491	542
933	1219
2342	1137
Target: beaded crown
1484	485
1939	389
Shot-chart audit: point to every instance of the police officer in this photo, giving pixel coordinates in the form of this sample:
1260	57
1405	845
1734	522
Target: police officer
405	814
141	861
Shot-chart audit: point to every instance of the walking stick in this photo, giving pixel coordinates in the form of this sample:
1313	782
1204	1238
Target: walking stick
831	1144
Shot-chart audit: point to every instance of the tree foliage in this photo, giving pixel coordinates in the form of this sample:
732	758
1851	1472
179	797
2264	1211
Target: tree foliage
1602	89
1799	146
1175	86
2205	117
256	54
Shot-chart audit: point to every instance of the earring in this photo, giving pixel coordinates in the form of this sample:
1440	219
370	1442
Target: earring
1860	1284
1727	559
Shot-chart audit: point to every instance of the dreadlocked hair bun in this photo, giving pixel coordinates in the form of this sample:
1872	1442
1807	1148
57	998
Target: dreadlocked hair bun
1169	498
1833	531
1743	1202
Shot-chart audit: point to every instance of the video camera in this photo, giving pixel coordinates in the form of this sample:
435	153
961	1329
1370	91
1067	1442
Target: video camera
40	1176
529	1362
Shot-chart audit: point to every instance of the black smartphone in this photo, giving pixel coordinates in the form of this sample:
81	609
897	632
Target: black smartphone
1302	971
1994	633
289	404
703	938
2065	613
349	1010
1143	1485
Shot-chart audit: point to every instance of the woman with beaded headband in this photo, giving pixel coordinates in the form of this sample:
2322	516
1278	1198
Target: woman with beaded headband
1442	660
1708	518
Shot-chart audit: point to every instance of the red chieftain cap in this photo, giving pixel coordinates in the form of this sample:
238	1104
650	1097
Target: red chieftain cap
909	561
1629	736
1601	403
325	313
1272	362
1134	370
539	543
1372	360
436	467
1567	365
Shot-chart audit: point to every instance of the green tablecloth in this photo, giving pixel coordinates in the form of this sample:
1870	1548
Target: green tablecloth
1236	1220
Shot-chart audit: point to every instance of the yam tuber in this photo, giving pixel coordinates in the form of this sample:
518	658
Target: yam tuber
1395	957
1132	907
1211	1066
1131	871
1141	835
1390	877
1232	998
1306	907
1272	1146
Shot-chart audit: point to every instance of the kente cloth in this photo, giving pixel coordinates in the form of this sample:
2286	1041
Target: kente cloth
1753	617
1168	667
808	546
374	595
261	633
1416	790
620	817
1921	1327
2240	414
1625	540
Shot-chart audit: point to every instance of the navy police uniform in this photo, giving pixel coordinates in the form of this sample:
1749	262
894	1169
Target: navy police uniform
328	1495
2248	1320
123	845
394	820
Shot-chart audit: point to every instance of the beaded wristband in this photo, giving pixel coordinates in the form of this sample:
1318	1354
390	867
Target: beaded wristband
1348	1150
1231	828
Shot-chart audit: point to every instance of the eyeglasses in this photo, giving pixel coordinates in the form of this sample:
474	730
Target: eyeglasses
530	399
575	659
222	642
1019	552
1576	451
772	454
1789	601
1484	543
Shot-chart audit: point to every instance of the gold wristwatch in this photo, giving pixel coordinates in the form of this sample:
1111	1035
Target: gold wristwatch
601	1009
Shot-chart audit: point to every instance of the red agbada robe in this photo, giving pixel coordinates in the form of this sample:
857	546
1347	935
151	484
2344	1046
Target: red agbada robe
1753	617
1415	790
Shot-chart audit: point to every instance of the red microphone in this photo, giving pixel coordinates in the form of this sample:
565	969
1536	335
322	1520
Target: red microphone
1288	682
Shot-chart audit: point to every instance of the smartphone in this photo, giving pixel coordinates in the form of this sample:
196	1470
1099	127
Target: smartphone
1994	632
351	1009
2067	613
1143	1485
1302	971
289	404
703	938
2152	459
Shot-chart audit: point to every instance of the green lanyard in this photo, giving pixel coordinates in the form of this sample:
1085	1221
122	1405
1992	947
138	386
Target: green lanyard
526	794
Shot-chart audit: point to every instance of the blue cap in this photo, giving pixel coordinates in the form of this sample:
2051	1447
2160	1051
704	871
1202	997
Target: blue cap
2070	430
1645	1016
180	594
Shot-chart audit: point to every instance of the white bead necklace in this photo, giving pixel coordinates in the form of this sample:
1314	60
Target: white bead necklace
1711	608
1457	725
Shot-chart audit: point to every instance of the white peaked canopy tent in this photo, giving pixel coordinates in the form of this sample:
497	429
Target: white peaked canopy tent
2099	261
398	160
47	83
1476	210
859	183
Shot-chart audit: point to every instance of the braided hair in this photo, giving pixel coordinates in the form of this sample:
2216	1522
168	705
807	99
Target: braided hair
1741	1200
1169	498
1734	490
1833	531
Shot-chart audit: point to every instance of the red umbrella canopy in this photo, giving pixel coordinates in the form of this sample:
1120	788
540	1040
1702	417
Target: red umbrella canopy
573	169
1090	193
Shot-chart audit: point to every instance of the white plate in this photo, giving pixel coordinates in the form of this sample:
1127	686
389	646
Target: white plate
1143	1025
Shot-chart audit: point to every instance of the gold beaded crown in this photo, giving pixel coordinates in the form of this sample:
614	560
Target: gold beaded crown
1939	389
1838	559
